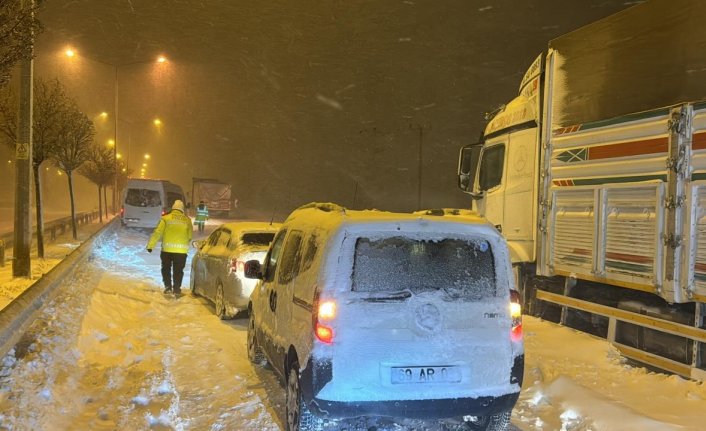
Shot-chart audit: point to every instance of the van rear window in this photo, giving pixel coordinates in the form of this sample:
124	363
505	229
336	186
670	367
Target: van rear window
461	269
143	198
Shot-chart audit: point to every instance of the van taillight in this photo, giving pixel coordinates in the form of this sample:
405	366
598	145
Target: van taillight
516	316
324	313
122	211
164	212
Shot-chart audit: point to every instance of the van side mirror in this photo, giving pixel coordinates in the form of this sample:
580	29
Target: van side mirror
253	269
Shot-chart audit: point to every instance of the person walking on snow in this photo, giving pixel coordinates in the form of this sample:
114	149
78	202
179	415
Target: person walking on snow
201	215
175	231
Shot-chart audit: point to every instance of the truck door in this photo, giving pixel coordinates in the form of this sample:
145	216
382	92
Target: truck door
519	186
490	183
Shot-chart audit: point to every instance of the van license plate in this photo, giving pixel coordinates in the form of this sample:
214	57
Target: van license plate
443	374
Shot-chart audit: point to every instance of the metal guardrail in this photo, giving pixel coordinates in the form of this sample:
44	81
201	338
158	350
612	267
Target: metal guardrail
614	315
52	229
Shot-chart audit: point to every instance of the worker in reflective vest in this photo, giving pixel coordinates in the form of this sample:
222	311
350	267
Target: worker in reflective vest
175	231
201	215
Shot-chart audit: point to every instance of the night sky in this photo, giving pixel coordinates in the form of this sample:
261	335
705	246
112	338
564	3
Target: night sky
299	101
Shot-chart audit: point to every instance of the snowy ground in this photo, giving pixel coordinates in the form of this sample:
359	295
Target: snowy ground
111	352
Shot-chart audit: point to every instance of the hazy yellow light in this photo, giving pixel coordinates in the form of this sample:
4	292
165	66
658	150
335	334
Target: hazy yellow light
124	170
58	172
161	59
157	122
10	161
117	156
70	52
147	156
111	142
104	115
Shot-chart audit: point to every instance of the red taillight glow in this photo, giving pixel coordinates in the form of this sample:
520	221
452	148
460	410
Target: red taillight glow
323	311
324	333
516	316
122	211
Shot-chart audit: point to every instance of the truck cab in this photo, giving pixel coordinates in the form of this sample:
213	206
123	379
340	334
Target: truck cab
500	170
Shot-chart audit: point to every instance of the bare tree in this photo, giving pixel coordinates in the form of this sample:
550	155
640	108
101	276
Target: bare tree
73	149
100	170
50	100
17	24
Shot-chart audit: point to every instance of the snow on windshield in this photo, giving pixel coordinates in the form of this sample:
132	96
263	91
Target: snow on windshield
460	268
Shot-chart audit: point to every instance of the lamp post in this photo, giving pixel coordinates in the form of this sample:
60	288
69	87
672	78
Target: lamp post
160	59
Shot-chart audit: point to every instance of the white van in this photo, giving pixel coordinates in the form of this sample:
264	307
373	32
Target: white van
146	200
370	316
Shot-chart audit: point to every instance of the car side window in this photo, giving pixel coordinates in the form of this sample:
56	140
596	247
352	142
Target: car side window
290	258
213	238
224	238
273	256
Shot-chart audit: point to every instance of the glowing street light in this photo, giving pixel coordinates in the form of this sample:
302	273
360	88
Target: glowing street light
70	52
118	156
157	122
111	142
144	165
147	156
104	115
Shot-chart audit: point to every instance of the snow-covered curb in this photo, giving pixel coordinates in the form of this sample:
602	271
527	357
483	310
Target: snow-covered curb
19	314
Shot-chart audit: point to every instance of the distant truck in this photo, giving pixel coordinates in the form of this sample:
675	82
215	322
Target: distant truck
596	175
215	194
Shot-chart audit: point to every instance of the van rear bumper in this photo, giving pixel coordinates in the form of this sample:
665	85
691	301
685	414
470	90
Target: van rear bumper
315	376
415	409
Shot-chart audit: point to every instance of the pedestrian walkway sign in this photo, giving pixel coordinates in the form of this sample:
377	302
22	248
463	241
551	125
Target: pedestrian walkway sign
22	151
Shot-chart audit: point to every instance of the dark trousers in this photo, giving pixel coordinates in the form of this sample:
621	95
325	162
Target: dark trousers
175	261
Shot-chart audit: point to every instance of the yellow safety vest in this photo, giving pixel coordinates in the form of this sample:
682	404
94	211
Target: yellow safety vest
175	230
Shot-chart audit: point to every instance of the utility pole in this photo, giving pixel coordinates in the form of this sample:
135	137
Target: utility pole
115	146
21	262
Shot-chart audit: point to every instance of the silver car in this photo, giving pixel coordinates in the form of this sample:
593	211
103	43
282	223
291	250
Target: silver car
217	267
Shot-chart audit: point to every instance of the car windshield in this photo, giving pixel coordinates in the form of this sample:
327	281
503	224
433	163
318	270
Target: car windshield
258	238
143	198
457	267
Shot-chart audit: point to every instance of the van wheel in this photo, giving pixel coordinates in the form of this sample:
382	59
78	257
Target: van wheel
299	417
497	422
220	302
254	351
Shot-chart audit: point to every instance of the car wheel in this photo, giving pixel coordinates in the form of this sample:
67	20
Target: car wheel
497	422
299	417
255	354
220	302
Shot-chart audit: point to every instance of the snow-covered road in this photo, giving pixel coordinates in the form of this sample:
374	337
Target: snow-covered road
112	353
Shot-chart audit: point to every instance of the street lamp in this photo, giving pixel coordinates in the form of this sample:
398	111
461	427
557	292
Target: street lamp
160	59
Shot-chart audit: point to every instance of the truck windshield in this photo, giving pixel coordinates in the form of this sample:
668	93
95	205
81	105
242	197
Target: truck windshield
491	167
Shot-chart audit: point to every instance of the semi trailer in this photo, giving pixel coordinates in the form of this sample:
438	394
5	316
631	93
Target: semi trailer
596	175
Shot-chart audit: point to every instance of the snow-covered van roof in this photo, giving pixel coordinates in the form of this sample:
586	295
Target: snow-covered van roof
329	216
